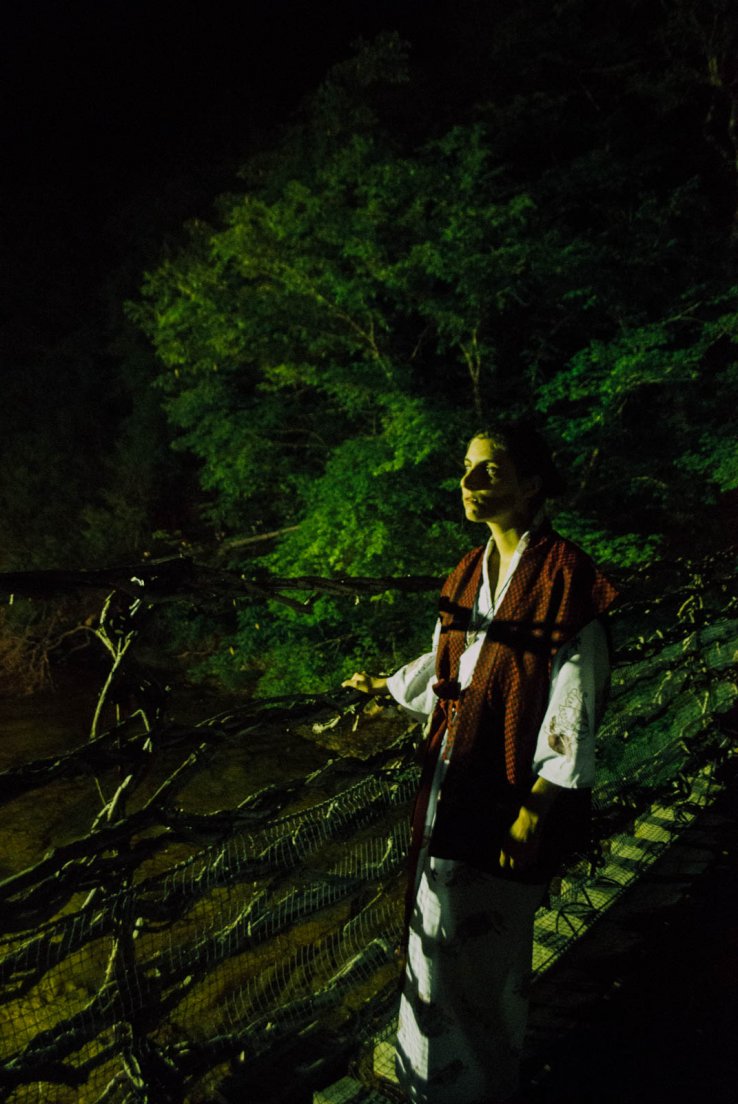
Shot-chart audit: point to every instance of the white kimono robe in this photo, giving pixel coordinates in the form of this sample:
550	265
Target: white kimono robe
464	1005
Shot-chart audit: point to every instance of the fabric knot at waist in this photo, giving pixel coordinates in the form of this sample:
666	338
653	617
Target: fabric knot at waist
447	690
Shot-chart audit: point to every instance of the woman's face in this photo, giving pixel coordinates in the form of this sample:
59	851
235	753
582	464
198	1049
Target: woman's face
491	489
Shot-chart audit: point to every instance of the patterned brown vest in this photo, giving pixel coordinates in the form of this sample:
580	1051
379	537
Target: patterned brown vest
494	723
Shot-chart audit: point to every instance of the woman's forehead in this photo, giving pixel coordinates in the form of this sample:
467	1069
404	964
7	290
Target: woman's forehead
484	448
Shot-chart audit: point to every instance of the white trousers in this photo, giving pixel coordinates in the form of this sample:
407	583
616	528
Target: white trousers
464	1005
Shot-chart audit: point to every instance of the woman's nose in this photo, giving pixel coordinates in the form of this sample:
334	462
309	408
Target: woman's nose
470	478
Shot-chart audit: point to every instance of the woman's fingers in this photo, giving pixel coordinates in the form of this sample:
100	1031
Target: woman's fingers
359	681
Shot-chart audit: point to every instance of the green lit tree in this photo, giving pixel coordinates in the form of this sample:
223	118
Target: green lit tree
536	245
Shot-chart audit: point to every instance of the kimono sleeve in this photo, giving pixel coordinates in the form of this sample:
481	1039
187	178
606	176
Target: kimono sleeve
412	685
565	750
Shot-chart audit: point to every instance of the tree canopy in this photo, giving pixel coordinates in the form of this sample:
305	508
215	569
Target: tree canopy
531	210
545	229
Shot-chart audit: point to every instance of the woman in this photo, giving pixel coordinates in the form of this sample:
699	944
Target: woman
514	686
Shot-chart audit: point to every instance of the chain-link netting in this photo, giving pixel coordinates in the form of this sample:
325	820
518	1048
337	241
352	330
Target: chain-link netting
179	953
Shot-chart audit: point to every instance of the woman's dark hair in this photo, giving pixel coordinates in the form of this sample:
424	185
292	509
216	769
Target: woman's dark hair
530	454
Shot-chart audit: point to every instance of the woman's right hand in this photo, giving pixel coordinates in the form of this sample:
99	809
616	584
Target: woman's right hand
368	684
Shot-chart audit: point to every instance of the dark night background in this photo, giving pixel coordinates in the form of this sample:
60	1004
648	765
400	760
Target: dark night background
126	117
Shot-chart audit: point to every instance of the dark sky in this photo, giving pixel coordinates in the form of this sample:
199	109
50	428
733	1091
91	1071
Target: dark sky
110	101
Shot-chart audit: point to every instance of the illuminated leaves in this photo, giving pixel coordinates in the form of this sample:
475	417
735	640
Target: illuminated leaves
328	342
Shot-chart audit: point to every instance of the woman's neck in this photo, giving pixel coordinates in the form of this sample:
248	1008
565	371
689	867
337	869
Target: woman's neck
506	535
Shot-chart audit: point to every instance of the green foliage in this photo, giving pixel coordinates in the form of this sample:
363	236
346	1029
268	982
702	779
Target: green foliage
618	550
535	243
626	410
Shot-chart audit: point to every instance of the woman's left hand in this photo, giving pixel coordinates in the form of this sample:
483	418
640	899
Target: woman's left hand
522	844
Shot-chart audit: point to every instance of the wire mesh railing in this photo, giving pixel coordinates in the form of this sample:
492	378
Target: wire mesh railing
176	953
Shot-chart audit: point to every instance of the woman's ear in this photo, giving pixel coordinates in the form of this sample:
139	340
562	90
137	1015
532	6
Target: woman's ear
532	485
